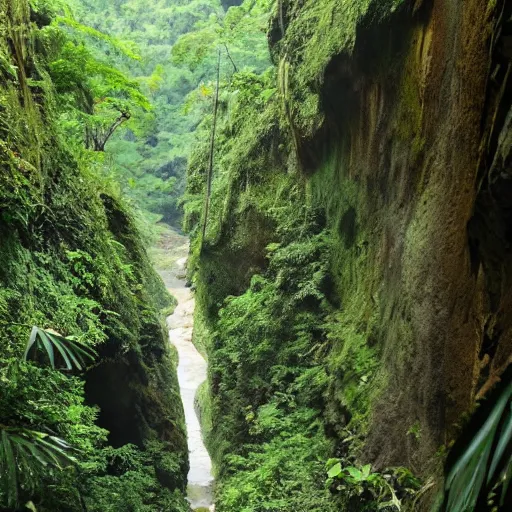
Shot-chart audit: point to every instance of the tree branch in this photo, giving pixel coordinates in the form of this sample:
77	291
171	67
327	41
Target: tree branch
99	144
229	57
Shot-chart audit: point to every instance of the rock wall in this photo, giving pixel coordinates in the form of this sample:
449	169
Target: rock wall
409	156
392	119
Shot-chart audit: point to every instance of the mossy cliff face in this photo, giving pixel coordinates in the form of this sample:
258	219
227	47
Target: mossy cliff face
73	260
387	130
402	162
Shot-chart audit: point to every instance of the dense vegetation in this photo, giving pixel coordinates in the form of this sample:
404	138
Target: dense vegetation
73	263
176	42
329	387
342	168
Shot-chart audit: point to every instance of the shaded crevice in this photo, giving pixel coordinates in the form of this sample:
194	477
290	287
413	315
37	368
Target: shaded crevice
110	386
490	228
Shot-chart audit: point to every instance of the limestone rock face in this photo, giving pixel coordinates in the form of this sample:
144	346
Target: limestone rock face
402	125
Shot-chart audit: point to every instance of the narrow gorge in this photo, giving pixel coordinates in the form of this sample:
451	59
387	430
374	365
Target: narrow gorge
191	375
256	255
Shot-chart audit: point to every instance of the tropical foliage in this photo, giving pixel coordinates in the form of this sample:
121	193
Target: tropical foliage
78	296
177	43
479	469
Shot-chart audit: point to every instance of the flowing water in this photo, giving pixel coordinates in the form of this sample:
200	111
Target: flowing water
191	374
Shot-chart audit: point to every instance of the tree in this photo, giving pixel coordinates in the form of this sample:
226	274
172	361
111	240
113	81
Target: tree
101	97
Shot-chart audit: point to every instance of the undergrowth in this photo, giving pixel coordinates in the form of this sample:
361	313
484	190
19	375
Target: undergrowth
290	379
73	261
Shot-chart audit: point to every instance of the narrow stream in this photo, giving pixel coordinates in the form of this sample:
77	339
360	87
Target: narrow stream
191	374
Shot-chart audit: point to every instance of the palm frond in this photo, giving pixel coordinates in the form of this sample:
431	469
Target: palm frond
484	464
72	352
9	469
25	454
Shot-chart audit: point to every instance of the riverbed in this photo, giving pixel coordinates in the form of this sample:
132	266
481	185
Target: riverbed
192	371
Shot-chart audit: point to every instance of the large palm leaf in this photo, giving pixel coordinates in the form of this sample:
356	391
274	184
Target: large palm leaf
479	478
71	352
26	454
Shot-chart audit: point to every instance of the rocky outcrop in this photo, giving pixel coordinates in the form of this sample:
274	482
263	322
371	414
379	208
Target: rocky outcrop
394	121
408	148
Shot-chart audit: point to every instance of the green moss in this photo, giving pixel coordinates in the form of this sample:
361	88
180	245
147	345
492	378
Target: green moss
204	403
201	334
316	33
73	260
409	118
253	326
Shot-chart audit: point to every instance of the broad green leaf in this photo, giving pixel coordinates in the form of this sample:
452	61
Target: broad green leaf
354	472
31	341
501	448
10	469
72	356
60	348
334	471
506	482
47	345
60	442
72	352
37	454
68	347
479	469
83	350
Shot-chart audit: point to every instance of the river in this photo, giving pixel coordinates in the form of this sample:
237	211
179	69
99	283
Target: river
192	370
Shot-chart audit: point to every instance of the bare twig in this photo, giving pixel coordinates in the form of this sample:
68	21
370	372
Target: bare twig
212	147
229	57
